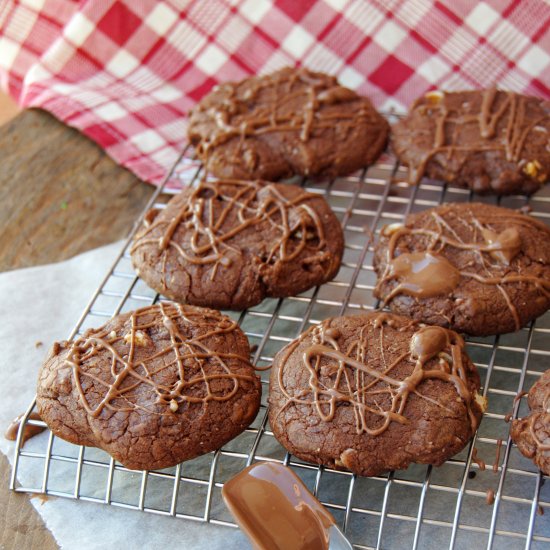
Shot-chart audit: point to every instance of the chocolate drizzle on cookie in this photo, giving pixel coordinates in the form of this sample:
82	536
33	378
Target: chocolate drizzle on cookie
185	334
538	421
532	433
242	118
421	260
228	244
422	274
295	225
489	141
508	107
344	376
286	110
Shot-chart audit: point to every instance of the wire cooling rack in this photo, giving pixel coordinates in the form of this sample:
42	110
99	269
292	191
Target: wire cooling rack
421	507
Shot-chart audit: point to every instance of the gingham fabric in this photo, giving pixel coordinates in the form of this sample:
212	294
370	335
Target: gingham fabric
126	72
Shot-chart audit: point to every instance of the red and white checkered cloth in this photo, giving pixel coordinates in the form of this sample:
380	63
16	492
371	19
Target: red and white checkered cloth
126	72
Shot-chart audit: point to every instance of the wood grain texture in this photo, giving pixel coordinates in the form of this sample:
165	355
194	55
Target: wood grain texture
20	525
60	194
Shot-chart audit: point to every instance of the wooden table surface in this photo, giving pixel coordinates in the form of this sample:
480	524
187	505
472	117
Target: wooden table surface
60	195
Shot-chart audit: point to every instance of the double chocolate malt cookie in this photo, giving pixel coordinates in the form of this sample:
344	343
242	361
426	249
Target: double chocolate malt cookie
474	268
486	140
374	392
229	244
290	122
532	433
153	387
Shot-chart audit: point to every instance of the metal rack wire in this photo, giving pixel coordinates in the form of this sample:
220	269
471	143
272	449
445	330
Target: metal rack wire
421	507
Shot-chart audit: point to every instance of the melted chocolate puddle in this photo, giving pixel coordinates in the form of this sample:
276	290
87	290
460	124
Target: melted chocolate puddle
29	430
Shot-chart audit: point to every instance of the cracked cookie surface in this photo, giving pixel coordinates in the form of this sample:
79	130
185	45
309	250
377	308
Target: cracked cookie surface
152	387
374	392
293	121
490	141
229	244
532	433
472	267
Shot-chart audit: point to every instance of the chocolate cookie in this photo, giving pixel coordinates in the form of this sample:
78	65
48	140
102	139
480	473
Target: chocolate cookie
229	244
532	433
152	387
291	122
374	392
474	268
486	140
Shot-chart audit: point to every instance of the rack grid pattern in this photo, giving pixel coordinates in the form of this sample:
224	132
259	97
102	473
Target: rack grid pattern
421	507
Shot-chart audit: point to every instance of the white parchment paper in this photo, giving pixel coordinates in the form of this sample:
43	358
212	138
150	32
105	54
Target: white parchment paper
42	304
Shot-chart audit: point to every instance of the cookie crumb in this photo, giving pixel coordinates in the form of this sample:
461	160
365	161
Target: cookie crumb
479	461
140	338
434	97
532	169
481	401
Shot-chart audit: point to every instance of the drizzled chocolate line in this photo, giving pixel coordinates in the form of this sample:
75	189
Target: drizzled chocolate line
428	273
479	461
534	416
294	223
130	373
519	396
531	433
512	110
245	117
354	382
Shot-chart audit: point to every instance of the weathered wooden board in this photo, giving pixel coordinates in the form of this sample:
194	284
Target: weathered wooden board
60	194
